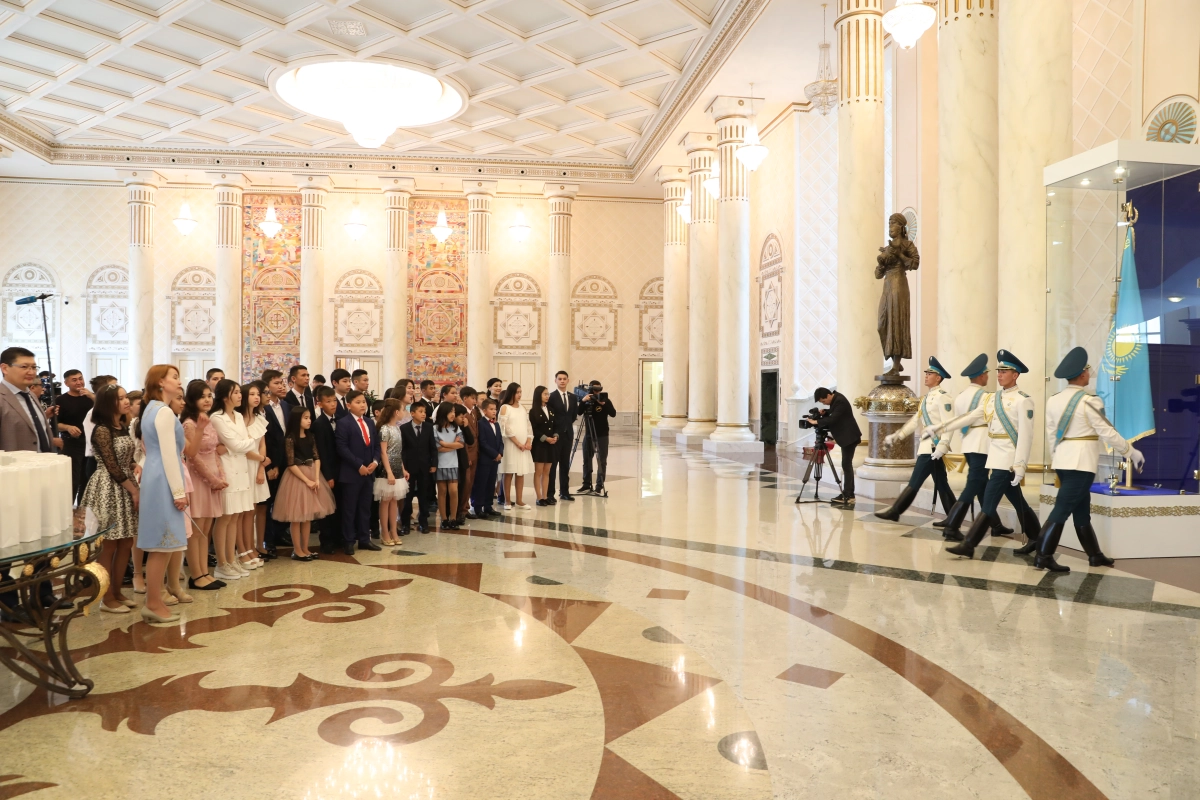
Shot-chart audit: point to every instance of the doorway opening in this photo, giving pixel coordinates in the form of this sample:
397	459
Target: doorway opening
769	415
523	371
652	393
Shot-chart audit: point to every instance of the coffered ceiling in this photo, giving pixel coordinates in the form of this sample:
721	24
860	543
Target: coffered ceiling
564	81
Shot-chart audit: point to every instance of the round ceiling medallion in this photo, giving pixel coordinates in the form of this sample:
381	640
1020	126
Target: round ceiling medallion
371	100
1175	122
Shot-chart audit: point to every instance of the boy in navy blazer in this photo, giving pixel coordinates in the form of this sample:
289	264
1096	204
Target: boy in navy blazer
420	455
358	453
323	430
491	450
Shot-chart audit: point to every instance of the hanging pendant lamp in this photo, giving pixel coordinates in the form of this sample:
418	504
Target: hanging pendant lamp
270	224
355	226
185	222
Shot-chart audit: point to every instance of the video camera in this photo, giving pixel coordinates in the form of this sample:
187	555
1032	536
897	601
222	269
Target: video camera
596	391
805	424
51	389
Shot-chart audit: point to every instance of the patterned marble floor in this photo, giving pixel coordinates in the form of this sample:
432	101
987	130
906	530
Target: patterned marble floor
697	635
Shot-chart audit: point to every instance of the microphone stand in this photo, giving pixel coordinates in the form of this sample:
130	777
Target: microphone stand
49	363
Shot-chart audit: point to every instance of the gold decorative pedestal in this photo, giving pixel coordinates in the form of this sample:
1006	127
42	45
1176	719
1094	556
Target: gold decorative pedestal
887	407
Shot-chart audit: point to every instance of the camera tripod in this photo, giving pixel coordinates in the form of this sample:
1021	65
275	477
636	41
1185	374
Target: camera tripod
584	419
820	454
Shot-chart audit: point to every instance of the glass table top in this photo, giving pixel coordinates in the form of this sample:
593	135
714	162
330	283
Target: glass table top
47	544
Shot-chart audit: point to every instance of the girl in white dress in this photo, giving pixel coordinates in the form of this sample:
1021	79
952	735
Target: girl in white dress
241	450
251	536
518	442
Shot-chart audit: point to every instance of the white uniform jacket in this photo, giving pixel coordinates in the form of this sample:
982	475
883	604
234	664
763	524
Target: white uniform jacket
935	409
973	438
1077	445
1009	417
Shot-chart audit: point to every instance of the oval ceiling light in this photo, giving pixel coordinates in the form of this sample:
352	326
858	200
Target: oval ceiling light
371	100
908	20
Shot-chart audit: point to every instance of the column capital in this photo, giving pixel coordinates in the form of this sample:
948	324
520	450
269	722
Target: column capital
565	191
141	177
693	142
859	25
308	182
726	106
235	180
666	175
471	186
389	184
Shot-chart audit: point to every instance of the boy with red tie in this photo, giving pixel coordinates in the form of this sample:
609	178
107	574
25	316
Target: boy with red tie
358	453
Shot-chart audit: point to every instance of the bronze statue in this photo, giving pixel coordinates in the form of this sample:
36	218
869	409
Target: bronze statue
893	261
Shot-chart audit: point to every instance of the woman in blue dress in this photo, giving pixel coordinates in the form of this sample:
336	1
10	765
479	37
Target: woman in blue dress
162	527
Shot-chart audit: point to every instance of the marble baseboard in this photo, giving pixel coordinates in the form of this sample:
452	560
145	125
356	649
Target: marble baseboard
717	447
690	439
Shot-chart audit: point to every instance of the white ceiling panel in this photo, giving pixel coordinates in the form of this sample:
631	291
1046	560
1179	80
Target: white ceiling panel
405	13
108	18
528	17
224	23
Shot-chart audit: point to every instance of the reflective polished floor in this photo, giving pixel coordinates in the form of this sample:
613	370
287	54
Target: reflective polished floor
697	635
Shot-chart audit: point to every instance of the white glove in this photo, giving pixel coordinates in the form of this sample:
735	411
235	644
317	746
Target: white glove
1136	458
891	439
939	451
1018	475
927	433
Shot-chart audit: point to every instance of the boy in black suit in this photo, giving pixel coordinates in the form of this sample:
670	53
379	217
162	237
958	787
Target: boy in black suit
420	458
276	410
358	450
491	450
324	425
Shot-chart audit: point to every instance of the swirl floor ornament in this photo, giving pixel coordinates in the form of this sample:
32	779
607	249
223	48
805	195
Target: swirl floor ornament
42	563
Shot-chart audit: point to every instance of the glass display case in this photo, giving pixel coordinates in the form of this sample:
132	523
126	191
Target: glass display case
1123	281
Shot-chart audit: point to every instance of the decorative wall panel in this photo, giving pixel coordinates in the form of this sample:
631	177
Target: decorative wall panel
107	304
650	318
770	301
358	314
193	313
270	286
517	316
594	317
437	291
22	325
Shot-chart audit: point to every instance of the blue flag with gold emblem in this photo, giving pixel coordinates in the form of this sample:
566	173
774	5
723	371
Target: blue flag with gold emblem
1123	381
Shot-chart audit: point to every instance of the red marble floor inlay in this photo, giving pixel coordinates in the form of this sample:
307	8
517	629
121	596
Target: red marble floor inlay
567	618
635	692
465	575
810	676
668	594
520	554
620	780
8	790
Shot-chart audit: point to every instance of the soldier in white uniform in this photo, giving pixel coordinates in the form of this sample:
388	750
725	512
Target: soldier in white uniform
1009	417
935	408
1075	426
973	443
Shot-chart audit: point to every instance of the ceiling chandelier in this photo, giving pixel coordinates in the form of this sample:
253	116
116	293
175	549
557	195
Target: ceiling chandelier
270	224
823	92
712	184
185	222
520	229
355	227
685	208
751	152
908	21
370	99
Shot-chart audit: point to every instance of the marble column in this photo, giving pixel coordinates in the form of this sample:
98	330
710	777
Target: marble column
1035	131
313	191
675	305
558	328
702	293
396	192
732	116
860	194
968	163
227	266
142	185
479	282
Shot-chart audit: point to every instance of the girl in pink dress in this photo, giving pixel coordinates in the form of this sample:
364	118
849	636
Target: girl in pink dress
208	481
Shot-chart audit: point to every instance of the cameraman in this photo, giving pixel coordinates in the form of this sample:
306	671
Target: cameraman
840	423
596	408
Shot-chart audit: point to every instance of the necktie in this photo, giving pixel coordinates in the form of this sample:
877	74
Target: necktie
366	435
43	442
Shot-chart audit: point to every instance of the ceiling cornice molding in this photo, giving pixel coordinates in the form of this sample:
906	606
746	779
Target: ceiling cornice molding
794	108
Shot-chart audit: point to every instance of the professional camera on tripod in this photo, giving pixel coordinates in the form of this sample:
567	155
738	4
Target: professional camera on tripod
816	456
595	408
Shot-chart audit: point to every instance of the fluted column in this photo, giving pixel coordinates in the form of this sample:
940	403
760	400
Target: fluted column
1035	131
558	328
860	193
313	191
732	116
968	163
142	186
675	305
702	293
227	266
396	192
479	281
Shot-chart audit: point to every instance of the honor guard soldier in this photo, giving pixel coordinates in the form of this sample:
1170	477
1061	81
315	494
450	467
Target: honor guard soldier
1075	425
935	408
974	445
1008	414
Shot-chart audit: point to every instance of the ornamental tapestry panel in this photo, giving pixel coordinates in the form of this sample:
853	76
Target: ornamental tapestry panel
594	313
270	286
107	308
650	317
517	315
22	325
193	311
437	291
358	314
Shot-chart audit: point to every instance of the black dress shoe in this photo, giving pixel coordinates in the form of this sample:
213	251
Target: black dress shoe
368	545
472	515
493	513
423	528
328	549
404	530
550	501
348	549
566	497
300	558
211	586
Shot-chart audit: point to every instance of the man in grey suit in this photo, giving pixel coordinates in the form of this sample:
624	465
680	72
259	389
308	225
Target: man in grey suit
23	424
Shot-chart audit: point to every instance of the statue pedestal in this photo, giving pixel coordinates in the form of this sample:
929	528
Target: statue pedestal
887	407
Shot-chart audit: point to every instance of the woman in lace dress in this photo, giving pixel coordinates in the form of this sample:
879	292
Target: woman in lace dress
518	444
112	492
208	481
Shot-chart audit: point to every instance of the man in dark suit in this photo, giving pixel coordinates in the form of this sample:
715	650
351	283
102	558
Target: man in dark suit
23	424
276	411
429	398
324	427
491	449
358	453
466	482
339	379
420	455
300	394
839	421
565	406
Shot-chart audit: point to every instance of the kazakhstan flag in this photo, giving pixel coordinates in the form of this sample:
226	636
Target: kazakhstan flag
1124	379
